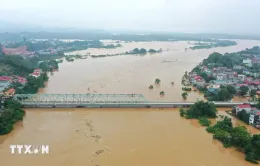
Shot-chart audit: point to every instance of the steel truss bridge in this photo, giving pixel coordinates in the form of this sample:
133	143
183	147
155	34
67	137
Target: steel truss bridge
77	100
101	101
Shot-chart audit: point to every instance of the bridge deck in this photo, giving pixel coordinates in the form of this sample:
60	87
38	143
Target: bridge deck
101	101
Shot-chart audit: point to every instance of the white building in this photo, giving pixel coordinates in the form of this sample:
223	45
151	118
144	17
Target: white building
238	67
221	76
241	77
247	62
241	107
252	116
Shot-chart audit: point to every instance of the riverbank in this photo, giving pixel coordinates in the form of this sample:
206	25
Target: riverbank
221	77
10	113
224	130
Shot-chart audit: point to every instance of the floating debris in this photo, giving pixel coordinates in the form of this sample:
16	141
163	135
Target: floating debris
164	61
97	137
99	152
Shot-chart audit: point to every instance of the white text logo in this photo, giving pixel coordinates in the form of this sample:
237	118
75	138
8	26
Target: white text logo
29	149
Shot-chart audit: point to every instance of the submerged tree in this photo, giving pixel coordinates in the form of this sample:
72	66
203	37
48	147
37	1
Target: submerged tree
157	81
184	95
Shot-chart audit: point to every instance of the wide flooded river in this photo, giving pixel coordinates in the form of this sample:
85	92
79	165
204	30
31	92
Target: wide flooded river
134	73
122	137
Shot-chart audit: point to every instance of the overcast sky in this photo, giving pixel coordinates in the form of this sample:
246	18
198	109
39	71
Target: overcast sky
220	16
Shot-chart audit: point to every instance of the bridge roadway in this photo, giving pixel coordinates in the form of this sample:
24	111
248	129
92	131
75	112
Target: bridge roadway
128	105
101	101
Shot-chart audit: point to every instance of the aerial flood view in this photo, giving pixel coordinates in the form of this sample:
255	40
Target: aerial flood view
134	93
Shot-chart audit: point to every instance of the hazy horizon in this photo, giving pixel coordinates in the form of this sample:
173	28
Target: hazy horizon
189	16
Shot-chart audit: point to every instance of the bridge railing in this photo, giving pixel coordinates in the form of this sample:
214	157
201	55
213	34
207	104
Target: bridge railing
100	99
79	98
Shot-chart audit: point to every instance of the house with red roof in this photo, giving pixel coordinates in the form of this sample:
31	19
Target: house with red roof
198	80
36	73
5	78
241	107
19	79
10	92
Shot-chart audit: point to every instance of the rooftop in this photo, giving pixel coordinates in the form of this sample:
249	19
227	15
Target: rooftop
244	106
5	78
12	90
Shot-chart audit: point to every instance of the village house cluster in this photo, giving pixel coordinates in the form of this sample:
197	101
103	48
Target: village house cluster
23	51
239	75
7	81
254	118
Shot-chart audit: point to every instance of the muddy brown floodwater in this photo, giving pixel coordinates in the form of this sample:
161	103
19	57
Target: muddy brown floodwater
128	137
134	74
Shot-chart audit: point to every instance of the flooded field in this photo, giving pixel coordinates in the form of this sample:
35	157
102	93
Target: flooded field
123	137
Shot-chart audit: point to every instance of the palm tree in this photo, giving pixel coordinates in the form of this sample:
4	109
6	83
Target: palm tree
162	93
157	81
184	95
151	87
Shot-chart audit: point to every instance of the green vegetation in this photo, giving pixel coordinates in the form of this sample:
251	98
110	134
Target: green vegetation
184	95
224	93
213	43
157	81
162	93
100	34
182	112
12	113
151	87
138	51
201	109
243	90
237	137
143	51
48	66
32	86
224	131
109	46
60	45
252	51
204	75
227	60
258	104
242	115
69	59
186	88
204	121
152	51
59	55
1	50
18	65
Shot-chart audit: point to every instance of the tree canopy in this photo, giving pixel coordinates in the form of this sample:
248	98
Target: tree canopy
238	137
11	114
243	90
226	60
201	109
